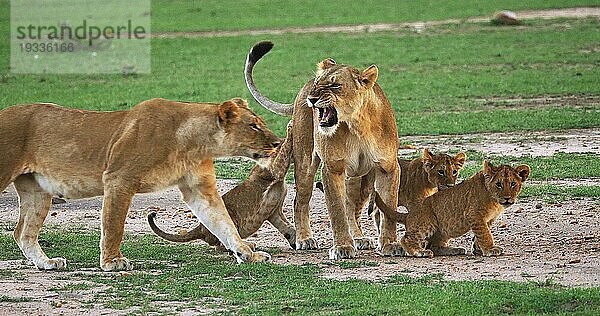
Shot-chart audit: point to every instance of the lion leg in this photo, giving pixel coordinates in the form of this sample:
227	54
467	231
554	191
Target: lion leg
279	221
386	185
484	240
34	204
334	186
414	242
357	193
271	209
304	173
115	205
439	245
199	191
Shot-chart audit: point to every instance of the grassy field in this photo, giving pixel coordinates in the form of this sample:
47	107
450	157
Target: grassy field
191	274
449	79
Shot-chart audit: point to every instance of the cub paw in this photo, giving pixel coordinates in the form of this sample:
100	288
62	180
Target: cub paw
364	243
117	264
307	244
427	253
54	264
493	252
392	249
342	252
259	256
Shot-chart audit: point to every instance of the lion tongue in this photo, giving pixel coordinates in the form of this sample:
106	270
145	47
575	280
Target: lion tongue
328	117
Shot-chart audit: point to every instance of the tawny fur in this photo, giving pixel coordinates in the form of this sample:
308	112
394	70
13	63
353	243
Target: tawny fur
50	151
420	178
343	118
256	200
472	205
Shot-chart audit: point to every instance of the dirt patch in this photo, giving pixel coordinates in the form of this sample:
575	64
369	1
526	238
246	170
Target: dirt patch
417	27
536	144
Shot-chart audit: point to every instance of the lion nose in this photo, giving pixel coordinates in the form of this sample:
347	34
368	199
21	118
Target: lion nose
312	101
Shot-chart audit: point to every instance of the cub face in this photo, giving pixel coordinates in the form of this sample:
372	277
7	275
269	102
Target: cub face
443	170
246	133
337	91
504	182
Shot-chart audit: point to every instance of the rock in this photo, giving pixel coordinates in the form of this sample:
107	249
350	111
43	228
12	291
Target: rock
574	261
53	214
505	18
538	206
519	210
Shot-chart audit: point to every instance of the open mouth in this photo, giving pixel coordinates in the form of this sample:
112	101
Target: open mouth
327	117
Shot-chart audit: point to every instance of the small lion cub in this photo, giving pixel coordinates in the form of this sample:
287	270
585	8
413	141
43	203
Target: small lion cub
473	205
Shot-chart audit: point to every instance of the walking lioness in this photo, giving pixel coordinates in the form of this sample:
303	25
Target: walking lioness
48	150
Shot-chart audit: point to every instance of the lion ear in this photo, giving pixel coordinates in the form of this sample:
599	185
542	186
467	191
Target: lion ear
368	77
523	171
488	168
325	64
460	159
427	158
228	112
240	102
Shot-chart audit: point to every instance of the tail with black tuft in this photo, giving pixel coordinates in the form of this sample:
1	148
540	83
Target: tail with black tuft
259	50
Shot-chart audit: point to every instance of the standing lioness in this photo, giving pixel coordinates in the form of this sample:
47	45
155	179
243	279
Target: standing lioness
48	150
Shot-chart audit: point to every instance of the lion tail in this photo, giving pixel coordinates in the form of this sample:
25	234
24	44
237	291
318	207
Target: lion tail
199	232
256	53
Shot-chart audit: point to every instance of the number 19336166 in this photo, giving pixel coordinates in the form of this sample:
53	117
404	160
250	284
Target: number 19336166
50	47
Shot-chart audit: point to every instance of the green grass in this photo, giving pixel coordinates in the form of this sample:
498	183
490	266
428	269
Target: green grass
190	273
434	80
253	14
8	299
556	194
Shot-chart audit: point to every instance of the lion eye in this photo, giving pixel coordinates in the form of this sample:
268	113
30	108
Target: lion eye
441	172
255	127
499	185
454	172
513	184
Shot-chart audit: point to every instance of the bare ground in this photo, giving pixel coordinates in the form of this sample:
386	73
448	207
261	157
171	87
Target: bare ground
558	242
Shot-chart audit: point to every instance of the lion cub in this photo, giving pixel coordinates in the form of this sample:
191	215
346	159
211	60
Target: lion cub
473	205
256	200
422	177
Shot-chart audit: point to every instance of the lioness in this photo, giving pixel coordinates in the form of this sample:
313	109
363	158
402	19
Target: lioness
156	144
256	200
420	178
342	117
473	204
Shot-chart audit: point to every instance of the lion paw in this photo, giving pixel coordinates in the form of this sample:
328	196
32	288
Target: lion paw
250	245
427	253
307	244
342	252
392	249
259	256
117	264
54	264
364	243
493	252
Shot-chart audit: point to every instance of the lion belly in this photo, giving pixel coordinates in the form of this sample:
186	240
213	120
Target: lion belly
70	188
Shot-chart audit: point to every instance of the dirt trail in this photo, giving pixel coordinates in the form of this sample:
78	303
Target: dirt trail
383	27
